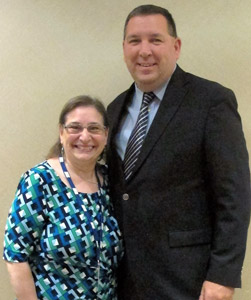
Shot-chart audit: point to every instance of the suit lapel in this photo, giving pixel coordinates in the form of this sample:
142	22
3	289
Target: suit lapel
116	115
170	104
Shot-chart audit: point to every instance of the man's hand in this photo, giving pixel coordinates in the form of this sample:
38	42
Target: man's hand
214	291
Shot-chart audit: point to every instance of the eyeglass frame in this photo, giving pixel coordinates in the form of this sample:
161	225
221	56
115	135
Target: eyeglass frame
81	128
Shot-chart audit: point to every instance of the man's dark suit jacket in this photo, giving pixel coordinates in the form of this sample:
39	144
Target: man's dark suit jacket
185	210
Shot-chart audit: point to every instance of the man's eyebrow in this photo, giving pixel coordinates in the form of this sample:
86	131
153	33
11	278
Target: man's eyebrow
156	35
132	36
138	35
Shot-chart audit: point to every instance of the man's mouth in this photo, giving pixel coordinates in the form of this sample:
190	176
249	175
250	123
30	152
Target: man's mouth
146	65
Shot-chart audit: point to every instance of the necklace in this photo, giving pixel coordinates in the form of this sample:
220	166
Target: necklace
61	159
68	177
90	181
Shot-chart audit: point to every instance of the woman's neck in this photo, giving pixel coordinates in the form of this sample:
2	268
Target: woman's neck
80	171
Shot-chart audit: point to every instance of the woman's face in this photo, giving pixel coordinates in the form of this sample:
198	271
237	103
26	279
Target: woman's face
82	144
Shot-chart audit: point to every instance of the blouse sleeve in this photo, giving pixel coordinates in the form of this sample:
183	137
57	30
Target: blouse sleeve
26	219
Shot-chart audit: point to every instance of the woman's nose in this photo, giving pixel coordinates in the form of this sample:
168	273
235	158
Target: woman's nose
85	135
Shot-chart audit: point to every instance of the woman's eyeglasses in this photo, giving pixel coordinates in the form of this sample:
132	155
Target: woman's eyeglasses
92	128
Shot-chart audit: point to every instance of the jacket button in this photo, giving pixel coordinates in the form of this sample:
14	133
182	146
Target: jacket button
125	197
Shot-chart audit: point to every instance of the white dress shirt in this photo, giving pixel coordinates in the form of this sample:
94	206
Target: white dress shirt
130	118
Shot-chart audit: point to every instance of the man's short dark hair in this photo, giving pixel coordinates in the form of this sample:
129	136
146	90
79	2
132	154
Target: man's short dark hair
146	10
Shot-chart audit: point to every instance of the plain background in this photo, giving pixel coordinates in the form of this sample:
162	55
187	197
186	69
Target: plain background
53	50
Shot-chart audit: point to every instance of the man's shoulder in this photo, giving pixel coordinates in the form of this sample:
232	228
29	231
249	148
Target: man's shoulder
195	80
120	98
198	82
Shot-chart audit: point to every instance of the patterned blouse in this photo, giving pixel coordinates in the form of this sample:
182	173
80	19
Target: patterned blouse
62	236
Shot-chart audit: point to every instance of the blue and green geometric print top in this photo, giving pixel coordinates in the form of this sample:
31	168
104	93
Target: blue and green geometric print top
57	233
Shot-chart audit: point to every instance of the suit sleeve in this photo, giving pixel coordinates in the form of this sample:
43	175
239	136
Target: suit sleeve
229	179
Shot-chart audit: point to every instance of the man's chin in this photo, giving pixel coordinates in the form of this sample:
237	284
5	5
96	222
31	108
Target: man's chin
147	84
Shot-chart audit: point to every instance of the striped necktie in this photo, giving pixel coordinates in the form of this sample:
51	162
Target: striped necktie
137	136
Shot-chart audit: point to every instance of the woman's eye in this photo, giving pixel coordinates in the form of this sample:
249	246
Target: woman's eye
94	128
76	127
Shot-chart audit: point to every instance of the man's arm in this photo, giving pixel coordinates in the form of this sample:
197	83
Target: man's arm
214	291
229	181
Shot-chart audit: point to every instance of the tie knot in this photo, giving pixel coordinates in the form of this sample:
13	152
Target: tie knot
148	97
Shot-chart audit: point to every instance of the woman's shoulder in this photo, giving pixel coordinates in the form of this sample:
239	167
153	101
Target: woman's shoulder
38	170
35	176
40	167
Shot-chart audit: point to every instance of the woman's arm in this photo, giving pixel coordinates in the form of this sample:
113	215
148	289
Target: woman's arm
22	280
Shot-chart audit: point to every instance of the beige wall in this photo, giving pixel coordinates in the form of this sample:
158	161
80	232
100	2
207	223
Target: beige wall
52	50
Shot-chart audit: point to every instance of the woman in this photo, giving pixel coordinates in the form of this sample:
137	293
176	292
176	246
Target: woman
61	240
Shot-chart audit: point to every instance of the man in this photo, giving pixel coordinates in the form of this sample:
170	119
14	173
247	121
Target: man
183	196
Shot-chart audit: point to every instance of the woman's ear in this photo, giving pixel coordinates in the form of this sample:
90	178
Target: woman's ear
61	131
106	135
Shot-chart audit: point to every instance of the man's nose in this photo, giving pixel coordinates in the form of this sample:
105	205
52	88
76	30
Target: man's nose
145	49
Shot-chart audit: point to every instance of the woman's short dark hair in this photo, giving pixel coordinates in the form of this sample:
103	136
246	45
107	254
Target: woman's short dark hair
79	101
148	9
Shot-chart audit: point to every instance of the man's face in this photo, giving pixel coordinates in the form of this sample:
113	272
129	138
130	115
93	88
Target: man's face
150	52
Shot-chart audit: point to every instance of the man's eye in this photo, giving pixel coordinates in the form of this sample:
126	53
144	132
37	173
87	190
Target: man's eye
157	41
134	41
